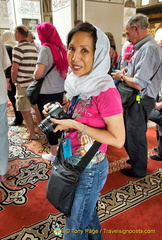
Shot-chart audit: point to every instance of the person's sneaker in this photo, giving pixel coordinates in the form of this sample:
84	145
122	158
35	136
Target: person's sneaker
129	173
48	157
15	124
3	178
156	157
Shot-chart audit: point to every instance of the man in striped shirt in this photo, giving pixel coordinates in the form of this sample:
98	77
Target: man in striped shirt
24	59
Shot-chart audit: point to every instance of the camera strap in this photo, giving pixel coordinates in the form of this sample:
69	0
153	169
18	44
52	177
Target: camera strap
73	105
85	160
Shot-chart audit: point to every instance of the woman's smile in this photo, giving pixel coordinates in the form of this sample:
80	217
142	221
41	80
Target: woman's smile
76	67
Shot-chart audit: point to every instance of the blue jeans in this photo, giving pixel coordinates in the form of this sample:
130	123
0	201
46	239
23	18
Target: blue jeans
4	151
84	222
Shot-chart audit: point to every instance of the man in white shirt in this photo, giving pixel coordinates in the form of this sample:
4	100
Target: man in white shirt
4	152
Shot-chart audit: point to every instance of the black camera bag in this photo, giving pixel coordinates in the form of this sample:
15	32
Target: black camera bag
34	88
64	179
156	116
128	94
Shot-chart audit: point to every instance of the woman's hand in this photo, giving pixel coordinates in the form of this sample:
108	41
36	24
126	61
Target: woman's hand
45	110
65	124
158	105
114	135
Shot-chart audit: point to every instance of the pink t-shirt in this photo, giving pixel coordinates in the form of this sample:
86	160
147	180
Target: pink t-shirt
91	112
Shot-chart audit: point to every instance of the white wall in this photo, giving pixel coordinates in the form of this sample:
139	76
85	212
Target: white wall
62	19
108	17
24	12
4	21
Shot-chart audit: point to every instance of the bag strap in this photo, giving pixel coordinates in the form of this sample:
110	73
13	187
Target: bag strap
49	70
85	160
155	72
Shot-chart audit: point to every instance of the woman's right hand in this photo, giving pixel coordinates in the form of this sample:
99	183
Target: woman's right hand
45	110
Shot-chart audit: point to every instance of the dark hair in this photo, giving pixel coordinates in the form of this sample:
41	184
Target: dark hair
83	27
76	22
22	31
111	39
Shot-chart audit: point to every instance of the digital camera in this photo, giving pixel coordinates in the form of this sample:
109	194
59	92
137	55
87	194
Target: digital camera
54	111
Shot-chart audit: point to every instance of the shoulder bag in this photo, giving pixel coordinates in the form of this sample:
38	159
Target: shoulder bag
156	116
33	89
64	178
128	94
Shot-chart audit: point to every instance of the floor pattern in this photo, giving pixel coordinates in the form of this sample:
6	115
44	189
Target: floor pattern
110	204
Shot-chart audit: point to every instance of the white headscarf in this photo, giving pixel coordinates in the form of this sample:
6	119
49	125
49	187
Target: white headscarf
8	38
97	80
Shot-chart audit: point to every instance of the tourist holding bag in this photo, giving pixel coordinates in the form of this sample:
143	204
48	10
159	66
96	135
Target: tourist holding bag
52	65
95	115
144	74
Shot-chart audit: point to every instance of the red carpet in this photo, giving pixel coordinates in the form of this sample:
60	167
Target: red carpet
128	208
143	220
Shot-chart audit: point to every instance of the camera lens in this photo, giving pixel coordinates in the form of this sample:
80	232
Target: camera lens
54	111
46	125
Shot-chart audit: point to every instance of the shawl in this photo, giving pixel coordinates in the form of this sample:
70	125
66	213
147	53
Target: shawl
97	80
8	38
49	36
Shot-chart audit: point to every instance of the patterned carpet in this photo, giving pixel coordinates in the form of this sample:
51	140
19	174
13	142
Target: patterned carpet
110	204
27	213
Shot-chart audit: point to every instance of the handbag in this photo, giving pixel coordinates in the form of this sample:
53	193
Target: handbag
128	94
64	178
156	116
33	89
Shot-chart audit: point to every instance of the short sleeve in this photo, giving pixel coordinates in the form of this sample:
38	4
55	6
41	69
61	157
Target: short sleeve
43	56
17	55
109	103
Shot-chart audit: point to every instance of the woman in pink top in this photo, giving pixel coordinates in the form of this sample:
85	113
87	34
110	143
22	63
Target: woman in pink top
96	113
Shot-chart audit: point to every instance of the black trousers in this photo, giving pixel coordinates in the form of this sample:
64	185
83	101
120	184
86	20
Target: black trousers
11	95
48	98
159	139
136	118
